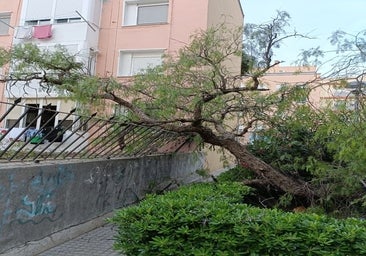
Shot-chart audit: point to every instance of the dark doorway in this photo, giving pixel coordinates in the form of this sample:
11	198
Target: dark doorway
46	117
31	115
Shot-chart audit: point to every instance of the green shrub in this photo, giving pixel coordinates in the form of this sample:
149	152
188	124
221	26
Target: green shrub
208	219
234	174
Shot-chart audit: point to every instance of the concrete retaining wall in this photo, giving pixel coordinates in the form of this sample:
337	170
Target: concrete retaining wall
37	200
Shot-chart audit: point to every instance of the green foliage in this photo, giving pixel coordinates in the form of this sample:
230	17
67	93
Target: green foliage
208	219
28	58
342	179
57	70
203	172
247	63
324	148
290	141
235	174
194	81
183	214
349	59
4	57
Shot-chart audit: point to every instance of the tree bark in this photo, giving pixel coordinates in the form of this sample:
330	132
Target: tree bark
262	170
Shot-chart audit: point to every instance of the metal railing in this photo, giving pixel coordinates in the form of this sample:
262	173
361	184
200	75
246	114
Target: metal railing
77	136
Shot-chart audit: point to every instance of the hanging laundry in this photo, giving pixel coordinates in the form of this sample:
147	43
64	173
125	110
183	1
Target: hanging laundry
42	32
23	32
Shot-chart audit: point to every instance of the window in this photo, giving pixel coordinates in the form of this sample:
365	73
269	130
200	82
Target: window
59	11
120	112
58	21
131	63
345	104
256	134
37	22
302	94
145	12
4	23
152	14
67	20
262	87
283	86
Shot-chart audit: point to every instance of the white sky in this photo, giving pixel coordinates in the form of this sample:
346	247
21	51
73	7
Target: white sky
318	18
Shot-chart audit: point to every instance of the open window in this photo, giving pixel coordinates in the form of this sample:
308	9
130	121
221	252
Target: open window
46	117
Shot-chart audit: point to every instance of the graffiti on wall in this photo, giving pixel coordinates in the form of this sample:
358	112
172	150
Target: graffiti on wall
112	184
33	200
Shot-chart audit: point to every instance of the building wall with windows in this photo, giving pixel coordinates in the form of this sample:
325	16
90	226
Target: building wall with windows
115	38
135	34
307	76
72	24
9	18
290	76
348	94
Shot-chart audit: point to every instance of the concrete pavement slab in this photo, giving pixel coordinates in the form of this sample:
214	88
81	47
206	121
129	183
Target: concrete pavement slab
98	242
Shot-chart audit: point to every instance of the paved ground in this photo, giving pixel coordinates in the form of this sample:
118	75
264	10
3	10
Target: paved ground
97	242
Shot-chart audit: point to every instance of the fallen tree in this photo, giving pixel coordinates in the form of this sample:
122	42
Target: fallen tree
195	92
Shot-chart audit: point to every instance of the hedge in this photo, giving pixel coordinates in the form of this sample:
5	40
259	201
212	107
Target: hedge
210	219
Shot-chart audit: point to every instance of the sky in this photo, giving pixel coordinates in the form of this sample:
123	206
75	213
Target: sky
318	18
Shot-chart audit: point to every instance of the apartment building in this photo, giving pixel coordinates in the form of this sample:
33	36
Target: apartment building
348	93
307	76
300	76
136	34
72	24
114	38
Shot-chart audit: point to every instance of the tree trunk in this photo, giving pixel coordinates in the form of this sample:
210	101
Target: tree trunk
270	175
264	171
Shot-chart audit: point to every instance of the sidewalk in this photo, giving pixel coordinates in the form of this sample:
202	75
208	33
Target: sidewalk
98	242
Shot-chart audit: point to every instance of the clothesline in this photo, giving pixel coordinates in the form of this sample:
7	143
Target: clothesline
39	32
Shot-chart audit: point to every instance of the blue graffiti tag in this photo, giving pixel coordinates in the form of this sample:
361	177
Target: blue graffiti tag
40	206
40	202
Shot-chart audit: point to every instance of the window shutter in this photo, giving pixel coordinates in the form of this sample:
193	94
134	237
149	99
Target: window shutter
34	12
67	8
152	14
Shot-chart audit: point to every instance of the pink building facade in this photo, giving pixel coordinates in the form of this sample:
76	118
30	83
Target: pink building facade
9	18
114	38
307	76
135	34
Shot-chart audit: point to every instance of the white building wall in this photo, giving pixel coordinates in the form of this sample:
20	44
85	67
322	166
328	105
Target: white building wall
75	25
81	35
